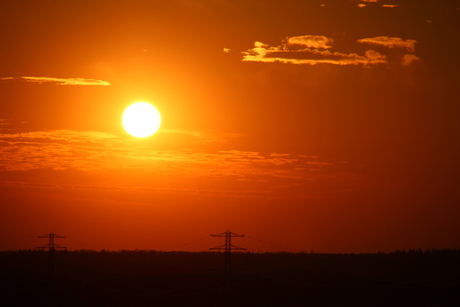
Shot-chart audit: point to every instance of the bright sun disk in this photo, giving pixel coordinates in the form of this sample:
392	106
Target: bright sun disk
141	120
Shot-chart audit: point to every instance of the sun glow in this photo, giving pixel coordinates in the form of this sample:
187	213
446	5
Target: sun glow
141	120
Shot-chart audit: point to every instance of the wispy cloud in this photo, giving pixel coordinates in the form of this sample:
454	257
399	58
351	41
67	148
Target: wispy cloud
90	150
124	161
311	41
366	2
9	124
201	136
5	122
390	5
409	58
58	81
287	54
390	42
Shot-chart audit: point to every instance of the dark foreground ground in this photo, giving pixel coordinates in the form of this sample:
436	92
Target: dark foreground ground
152	278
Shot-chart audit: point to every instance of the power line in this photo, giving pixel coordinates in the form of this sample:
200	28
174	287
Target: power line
268	243
189	243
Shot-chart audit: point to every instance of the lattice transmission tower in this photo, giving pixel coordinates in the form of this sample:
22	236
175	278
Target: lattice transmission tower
228	247
51	246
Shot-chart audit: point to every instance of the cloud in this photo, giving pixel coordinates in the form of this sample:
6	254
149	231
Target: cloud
366	1
51	149
200	137
59	81
9	124
283	54
311	41
390	5
92	151
226	50
68	160
390	42
409	58
5	122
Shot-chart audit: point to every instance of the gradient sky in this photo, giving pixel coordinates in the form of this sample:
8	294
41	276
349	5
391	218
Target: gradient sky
330	126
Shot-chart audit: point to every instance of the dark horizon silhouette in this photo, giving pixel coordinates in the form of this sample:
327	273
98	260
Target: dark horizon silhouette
151	278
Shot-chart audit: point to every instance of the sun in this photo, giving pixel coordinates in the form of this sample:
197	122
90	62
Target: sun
141	119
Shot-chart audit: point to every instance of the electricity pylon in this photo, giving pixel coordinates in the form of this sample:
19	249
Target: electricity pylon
227	248
51	246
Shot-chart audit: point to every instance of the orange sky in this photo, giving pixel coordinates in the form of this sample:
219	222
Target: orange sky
308	125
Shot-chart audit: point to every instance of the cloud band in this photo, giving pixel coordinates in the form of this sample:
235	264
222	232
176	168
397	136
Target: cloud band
58	81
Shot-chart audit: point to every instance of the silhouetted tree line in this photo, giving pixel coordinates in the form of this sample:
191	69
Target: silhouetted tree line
149	277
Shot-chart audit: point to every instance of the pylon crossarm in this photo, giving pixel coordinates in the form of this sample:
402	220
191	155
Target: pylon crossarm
222	234
232	234
220	247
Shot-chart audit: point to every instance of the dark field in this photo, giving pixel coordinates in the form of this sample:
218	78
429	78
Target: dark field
153	278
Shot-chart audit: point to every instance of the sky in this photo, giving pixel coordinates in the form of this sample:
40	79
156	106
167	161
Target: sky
327	125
